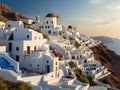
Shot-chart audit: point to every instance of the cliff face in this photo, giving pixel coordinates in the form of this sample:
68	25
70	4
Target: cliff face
110	60
14	16
5	8
8	14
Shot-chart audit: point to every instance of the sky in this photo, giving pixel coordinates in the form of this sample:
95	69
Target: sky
91	17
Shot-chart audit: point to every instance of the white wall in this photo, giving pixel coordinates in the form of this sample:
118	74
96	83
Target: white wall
2	48
50	20
9	75
34	80
11	24
21	34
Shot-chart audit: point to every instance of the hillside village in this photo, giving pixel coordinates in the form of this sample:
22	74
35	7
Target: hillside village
45	55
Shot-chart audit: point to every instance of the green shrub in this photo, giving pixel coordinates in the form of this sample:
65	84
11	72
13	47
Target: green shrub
76	44
104	80
92	82
84	78
45	36
8	85
64	37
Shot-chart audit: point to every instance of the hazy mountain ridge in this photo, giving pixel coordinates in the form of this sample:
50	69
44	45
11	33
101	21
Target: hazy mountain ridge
112	43
105	39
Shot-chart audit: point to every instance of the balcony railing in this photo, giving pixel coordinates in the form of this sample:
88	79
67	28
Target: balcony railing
27	53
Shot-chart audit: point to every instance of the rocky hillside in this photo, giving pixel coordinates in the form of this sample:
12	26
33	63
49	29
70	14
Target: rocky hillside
6	13
5	8
110	60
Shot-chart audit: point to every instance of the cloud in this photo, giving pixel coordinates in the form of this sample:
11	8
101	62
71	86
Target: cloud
95	1
100	21
113	6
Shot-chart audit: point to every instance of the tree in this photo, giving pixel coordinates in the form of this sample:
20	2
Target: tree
104	80
85	79
92	82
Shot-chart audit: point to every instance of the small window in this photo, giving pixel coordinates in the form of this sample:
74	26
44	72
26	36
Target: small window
17	48
51	75
49	32
42	26
54	32
30	65
27	36
67	53
73	57
47	22
8	25
45	26
10	46
47	61
34	48
56	68
39	26
17	58
38	65
56	63
48	26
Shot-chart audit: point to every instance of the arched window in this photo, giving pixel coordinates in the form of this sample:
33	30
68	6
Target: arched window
47	61
47	22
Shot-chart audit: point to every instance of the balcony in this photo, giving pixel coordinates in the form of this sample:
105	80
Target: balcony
28	52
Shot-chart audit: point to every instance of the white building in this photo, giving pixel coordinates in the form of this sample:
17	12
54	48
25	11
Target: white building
11	24
35	55
49	26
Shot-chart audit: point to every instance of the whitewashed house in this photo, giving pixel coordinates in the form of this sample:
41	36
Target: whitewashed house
49	26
